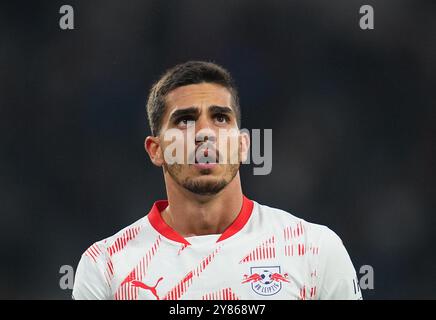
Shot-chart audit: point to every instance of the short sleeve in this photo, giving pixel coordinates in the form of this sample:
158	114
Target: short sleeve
338	279
90	282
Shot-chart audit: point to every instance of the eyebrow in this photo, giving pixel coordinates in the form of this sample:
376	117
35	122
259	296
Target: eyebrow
191	111
220	109
195	112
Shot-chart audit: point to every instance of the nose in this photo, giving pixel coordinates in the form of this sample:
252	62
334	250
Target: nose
205	135
203	131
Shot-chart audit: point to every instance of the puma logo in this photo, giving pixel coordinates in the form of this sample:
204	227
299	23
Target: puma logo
142	285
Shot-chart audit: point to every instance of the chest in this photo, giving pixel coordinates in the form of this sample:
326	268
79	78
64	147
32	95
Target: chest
220	272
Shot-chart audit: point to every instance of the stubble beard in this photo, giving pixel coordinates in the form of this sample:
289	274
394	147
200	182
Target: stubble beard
199	186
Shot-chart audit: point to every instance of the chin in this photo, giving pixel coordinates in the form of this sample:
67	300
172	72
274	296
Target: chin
205	185
207	178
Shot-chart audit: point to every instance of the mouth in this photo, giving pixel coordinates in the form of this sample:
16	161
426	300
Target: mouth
205	166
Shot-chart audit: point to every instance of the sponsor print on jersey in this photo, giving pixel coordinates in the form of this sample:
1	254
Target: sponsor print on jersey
265	281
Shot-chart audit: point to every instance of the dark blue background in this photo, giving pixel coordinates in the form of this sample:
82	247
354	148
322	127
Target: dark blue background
352	113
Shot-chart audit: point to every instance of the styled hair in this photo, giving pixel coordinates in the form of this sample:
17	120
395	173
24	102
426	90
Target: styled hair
191	72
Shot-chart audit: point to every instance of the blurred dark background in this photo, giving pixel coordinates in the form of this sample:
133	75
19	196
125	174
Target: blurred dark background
352	112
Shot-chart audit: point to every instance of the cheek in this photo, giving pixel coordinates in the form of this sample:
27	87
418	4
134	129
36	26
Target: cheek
229	148
175	151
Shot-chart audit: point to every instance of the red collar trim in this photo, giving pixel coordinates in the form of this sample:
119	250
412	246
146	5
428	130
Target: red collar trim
155	218
240	221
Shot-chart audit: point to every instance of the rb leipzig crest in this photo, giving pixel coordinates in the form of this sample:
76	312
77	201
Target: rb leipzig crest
266	281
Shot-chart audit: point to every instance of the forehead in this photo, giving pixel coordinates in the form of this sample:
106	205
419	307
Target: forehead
198	95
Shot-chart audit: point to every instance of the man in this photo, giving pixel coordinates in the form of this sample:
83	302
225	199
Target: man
209	241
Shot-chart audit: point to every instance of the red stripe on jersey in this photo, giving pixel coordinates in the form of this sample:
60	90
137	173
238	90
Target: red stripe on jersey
266	250
290	251
291	232
313	292
223	294
93	252
180	289
123	239
303	293
184	246
109	272
125	290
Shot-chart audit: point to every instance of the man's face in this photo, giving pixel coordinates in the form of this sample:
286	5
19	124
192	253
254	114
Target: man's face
202	113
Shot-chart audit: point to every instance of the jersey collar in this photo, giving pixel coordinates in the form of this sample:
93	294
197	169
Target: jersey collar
157	222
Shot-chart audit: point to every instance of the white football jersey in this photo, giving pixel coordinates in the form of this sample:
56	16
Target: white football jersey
265	253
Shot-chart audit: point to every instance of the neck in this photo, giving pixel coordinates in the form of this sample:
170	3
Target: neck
193	215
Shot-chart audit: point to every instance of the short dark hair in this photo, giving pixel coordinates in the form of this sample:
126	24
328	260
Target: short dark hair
191	72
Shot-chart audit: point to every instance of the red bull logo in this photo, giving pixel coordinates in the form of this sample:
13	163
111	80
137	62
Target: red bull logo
265	281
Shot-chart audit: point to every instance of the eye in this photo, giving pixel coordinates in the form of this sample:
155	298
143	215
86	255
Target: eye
222	118
185	122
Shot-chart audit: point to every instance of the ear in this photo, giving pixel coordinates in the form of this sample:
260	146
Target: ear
244	145
154	150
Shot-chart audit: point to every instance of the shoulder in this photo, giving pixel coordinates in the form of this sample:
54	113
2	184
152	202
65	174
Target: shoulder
293	226
116	242
334	271
95	270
